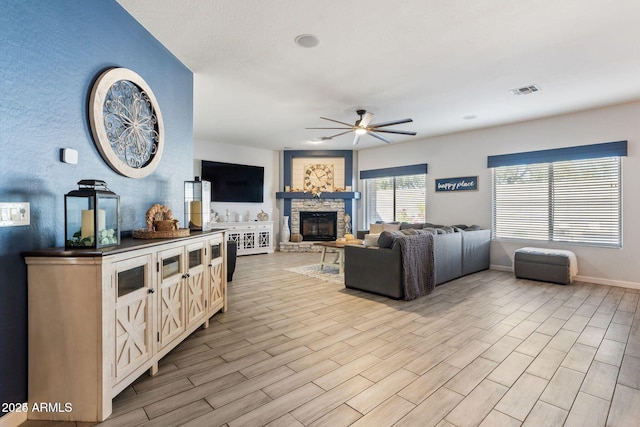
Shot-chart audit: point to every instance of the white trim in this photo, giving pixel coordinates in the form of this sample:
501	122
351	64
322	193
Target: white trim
586	279
608	282
13	419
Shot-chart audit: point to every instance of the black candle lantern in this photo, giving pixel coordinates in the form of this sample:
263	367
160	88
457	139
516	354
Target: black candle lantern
197	210
91	216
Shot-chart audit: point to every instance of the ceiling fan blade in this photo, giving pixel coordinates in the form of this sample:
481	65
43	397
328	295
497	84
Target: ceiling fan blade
341	133
394	122
366	119
350	128
401	132
380	137
356	138
337	121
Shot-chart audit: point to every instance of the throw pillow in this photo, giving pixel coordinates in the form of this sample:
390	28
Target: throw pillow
379	228
387	238
371	240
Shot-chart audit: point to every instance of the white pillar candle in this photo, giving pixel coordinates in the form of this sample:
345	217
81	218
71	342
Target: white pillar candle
87	224
102	219
87	228
195	213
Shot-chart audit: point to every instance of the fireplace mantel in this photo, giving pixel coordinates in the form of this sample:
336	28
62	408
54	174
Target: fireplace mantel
354	195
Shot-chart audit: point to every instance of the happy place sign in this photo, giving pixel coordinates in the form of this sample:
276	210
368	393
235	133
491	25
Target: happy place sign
465	183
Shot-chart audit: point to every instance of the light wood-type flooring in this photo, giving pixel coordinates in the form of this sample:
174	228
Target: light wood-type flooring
485	350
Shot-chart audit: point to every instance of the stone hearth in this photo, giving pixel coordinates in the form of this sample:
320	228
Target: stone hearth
302	247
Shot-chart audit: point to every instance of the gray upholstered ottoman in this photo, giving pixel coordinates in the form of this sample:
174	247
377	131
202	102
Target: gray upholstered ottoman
547	265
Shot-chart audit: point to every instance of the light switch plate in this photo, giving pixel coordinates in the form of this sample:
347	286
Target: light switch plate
14	214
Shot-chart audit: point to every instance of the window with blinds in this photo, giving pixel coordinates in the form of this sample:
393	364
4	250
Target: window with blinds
575	201
396	198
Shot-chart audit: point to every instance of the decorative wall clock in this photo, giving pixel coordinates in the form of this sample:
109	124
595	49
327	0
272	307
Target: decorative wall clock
126	123
318	178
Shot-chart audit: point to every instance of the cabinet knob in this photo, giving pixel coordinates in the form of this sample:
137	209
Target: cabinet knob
151	290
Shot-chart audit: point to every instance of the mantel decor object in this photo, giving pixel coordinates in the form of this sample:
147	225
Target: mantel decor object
91	216
197	210
285	232
318	178
126	123
160	224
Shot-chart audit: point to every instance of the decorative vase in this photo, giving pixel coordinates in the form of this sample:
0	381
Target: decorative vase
285	232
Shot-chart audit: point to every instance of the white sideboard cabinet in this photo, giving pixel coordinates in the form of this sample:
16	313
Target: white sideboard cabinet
252	237
98	319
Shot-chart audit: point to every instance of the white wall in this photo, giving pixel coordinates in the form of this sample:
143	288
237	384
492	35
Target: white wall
228	153
465	154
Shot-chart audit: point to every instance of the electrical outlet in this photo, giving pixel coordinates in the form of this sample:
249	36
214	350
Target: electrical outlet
14	214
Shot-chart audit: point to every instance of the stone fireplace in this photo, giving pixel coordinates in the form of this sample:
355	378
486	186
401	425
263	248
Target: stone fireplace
318	226
316	206
300	195
310	207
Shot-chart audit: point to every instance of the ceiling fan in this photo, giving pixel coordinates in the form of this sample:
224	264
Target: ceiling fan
363	126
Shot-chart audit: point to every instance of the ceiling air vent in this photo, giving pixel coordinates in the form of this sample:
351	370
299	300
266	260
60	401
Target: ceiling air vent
526	90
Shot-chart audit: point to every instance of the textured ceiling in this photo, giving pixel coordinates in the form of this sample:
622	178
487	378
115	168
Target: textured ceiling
434	61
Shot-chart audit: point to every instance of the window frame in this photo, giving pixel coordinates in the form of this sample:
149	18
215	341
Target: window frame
392	173
554	234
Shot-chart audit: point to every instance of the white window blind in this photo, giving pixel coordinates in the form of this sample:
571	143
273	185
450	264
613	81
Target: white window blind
576	201
397	198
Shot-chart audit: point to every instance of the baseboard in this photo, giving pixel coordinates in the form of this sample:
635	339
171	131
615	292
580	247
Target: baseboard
608	282
13	419
586	279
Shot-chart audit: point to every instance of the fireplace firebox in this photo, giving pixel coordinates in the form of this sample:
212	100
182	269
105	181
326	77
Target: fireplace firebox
318	226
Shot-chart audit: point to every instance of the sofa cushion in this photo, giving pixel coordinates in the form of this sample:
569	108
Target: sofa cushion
431	230
408	225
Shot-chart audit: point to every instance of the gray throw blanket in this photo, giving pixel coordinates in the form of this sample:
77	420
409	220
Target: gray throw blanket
417	264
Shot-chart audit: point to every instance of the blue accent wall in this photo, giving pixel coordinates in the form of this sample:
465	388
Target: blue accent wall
50	54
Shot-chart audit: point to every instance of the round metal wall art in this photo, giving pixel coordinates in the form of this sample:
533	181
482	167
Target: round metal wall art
126	123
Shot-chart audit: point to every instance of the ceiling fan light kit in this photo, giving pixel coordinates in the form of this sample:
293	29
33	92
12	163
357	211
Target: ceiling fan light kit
363	126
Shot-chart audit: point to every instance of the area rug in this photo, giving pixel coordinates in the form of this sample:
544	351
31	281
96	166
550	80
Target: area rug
328	273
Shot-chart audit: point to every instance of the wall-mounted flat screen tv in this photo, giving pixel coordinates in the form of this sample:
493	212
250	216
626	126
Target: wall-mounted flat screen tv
234	183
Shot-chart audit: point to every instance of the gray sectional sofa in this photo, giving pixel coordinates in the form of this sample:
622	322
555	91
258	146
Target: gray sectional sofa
458	251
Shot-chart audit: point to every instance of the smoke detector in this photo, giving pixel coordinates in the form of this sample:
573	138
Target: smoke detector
526	90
